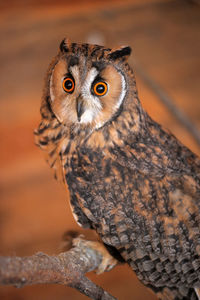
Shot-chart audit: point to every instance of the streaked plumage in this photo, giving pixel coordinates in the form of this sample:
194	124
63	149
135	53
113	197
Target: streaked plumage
130	180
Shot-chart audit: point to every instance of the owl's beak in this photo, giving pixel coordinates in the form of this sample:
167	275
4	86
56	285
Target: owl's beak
79	107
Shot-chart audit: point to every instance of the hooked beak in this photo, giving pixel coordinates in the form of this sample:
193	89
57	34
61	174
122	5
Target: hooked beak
79	107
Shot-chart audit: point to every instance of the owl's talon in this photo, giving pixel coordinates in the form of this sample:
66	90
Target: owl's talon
108	262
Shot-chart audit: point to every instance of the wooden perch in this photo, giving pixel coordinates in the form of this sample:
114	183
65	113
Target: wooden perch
67	268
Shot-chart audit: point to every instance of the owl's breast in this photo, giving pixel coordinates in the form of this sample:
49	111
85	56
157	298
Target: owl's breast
104	192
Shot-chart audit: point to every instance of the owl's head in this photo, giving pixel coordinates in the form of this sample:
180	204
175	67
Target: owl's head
87	84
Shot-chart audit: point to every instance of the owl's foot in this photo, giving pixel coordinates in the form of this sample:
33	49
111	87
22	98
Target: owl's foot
108	262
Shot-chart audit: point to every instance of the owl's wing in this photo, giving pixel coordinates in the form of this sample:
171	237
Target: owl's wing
141	159
157	161
47	137
175	174
54	161
158	201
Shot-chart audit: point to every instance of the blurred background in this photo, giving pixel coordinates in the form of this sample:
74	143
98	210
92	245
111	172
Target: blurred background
34	209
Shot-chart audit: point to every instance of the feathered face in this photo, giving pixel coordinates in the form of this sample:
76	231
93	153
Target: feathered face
87	85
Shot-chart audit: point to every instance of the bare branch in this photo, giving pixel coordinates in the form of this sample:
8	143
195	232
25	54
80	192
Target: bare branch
67	268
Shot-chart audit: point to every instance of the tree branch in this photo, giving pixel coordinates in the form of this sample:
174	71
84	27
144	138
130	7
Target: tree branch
67	268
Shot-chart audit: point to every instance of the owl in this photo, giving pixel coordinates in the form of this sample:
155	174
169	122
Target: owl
130	180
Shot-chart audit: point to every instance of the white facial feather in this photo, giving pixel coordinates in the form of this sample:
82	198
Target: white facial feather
87	116
92	103
75	72
92	74
123	93
52	96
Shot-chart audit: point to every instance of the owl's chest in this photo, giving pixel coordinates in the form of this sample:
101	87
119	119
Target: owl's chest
82	168
101	189
95	184
92	173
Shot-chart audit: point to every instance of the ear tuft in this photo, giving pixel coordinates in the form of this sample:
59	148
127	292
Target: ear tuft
123	52
65	45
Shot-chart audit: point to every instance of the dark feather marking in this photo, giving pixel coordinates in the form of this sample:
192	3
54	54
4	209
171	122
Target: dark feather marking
103	54
99	65
73	47
107	168
53	163
106	134
85	48
126	51
52	152
43	142
74	60
67	149
42	128
56	138
96	49
63	47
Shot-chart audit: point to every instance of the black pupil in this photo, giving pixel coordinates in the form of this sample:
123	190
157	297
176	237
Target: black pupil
100	89
68	84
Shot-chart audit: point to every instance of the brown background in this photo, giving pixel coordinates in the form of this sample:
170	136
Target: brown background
34	209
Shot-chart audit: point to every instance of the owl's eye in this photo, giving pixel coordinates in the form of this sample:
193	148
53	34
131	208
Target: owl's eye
100	88
68	85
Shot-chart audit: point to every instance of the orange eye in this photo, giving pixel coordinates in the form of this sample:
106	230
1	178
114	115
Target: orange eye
68	85
100	88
